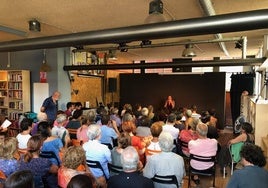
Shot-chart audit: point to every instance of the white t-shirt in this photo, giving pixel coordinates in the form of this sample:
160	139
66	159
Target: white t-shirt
22	140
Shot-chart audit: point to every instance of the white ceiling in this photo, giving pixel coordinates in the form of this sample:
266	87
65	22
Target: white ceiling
69	16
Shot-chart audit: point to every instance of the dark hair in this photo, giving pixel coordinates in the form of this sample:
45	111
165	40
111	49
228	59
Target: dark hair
20	179
25	124
82	181
253	154
171	118
247	127
124	140
69	104
205	117
105	119
44	129
77	104
145	122
77	114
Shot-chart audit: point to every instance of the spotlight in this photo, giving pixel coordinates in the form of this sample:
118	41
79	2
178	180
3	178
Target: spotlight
145	43
188	51
34	25
155	12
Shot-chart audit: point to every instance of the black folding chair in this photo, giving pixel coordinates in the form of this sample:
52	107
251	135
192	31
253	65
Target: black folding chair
207	172
49	155
96	164
115	169
169	179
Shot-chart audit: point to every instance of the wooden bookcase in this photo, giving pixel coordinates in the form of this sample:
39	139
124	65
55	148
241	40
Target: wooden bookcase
14	93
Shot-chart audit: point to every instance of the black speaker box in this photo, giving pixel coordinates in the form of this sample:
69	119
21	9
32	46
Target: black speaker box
112	84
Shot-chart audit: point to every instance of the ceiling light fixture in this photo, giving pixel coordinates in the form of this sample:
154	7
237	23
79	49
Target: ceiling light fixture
34	25
45	67
123	47
188	51
155	12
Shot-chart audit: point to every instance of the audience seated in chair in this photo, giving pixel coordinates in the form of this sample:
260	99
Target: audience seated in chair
253	174
203	146
129	177
81	133
41	116
109	131
24	136
60	131
187	135
95	151
166	162
169	126
40	167
73	163
8	156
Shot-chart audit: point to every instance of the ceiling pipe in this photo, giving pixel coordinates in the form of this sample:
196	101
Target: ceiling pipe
241	21
208	8
176	63
155	45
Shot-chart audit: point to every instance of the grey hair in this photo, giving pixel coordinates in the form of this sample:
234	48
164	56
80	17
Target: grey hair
42	116
91	115
144	111
194	123
127	117
166	141
202	129
94	131
129	158
61	118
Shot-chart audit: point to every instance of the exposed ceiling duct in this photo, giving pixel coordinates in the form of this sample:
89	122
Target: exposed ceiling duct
208	9
224	23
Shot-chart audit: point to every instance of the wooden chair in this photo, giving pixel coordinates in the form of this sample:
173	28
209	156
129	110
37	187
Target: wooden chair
169	179
96	164
207	172
76	142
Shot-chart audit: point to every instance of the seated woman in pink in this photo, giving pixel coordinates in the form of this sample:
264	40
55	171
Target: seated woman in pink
81	133
188	134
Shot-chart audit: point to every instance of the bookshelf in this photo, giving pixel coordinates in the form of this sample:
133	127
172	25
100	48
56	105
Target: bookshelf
14	93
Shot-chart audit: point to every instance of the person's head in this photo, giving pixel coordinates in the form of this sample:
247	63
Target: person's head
171	118
212	112
44	129
105	119
150	108
70	106
82	181
157	128
202	129
20	179
169	98
127	117
91	116
205	117
10	147
194	108
145	121
247	127
114	111
77	114
73	157
188	113
124	140
84	120
128	126
253	154
129	159
144	111
61	119
56	95
41	116
166	141
26	124
193	123
94	132
34	145
78	105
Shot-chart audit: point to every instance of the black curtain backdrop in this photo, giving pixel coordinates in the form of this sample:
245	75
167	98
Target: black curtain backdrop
206	91
239	83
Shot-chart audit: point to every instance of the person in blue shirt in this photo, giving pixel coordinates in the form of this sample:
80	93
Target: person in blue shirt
109	131
252	175
50	106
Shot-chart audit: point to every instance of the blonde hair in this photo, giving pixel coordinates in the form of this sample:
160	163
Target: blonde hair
73	157
10	147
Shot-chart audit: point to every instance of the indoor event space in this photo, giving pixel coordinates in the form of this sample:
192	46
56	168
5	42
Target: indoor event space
136	93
